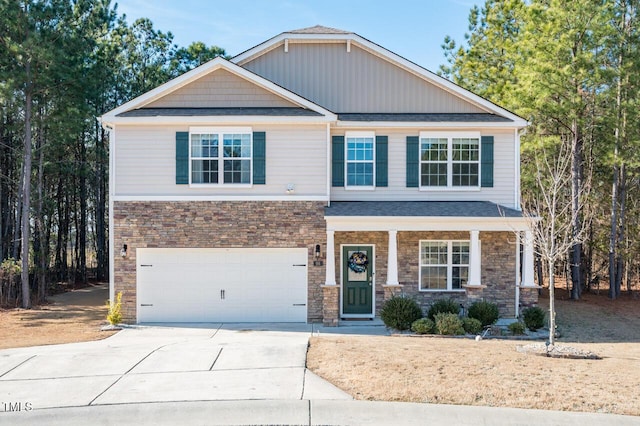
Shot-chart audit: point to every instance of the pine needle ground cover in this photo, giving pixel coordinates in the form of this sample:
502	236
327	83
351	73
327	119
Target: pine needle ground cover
74	316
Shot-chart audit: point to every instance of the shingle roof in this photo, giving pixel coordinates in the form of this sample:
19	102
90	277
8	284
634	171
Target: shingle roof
195	112
420	208
428	117
319	29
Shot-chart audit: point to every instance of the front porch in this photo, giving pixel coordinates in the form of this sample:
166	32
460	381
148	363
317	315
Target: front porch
489	251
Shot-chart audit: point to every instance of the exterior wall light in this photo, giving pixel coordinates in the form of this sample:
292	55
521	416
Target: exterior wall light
316	257
291	188
123	251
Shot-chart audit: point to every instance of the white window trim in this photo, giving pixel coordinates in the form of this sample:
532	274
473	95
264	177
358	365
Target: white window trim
220	131
449	266
360	134
449	136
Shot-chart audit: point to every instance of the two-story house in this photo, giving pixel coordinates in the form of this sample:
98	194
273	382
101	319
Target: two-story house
310	178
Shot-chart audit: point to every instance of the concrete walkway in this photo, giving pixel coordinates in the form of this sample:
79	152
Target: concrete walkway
214	374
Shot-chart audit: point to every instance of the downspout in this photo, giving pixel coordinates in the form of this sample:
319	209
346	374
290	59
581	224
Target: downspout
518	269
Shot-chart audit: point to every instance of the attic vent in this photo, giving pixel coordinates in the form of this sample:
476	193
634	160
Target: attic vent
286	45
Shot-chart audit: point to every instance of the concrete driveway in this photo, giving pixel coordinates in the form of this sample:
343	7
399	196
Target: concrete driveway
214	375
160	364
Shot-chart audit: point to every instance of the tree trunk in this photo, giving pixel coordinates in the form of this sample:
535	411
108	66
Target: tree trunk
552	306
102	257
17	237
539	270
42	239
82	231
26	194
613	227
620	263
576	184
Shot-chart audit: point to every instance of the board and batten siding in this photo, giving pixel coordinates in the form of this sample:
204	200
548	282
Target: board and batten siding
145	162
356	81
502	192
220	89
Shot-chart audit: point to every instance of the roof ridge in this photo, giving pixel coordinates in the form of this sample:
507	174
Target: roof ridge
319	29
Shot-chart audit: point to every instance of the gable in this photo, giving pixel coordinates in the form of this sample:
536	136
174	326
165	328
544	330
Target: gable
347	78
221	89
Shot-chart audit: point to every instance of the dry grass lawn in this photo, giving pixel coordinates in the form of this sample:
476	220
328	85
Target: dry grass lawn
492	372
74	316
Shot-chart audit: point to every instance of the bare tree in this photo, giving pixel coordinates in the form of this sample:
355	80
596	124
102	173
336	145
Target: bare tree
549	211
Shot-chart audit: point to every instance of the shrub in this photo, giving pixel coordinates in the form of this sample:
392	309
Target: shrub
533	318
423	326
516	328
400	312
486	312
11	266
443	306
114	316
471	325
449	324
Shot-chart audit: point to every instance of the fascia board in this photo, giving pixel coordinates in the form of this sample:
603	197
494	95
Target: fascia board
274	42
439	81
388	55
213	65
214	119
166	88
386	223
430	124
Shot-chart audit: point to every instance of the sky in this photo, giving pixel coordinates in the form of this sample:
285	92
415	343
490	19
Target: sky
414	29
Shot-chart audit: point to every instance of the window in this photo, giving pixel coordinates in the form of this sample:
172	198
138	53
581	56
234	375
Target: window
360	159
220	156
444	265
449	160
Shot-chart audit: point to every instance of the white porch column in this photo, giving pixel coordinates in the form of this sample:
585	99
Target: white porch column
330	278
392	260
527	261
475	276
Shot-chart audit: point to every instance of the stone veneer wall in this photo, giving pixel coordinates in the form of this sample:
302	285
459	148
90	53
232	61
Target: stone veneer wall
498	268
214	224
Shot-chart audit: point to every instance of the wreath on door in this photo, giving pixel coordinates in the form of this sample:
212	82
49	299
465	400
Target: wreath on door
358	262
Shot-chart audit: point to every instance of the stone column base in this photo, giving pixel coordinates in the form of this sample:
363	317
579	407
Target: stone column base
528	297
391	290
474	293
330	305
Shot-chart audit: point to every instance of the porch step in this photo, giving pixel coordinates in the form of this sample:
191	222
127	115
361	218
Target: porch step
361	322
504	322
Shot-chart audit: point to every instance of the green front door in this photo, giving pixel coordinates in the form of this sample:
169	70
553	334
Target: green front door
357	281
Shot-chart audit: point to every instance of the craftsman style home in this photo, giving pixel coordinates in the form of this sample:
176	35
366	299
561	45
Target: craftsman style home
311	178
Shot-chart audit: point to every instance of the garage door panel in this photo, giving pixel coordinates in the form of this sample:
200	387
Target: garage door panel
218	285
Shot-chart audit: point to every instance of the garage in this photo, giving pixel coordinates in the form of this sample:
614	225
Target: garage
221	285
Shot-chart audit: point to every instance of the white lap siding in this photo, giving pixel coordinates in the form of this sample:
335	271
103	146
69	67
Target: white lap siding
145	162
502	192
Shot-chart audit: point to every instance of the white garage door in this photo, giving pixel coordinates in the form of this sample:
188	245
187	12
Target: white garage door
222	285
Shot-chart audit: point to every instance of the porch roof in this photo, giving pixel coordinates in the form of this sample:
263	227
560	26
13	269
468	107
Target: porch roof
423	216
467	209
